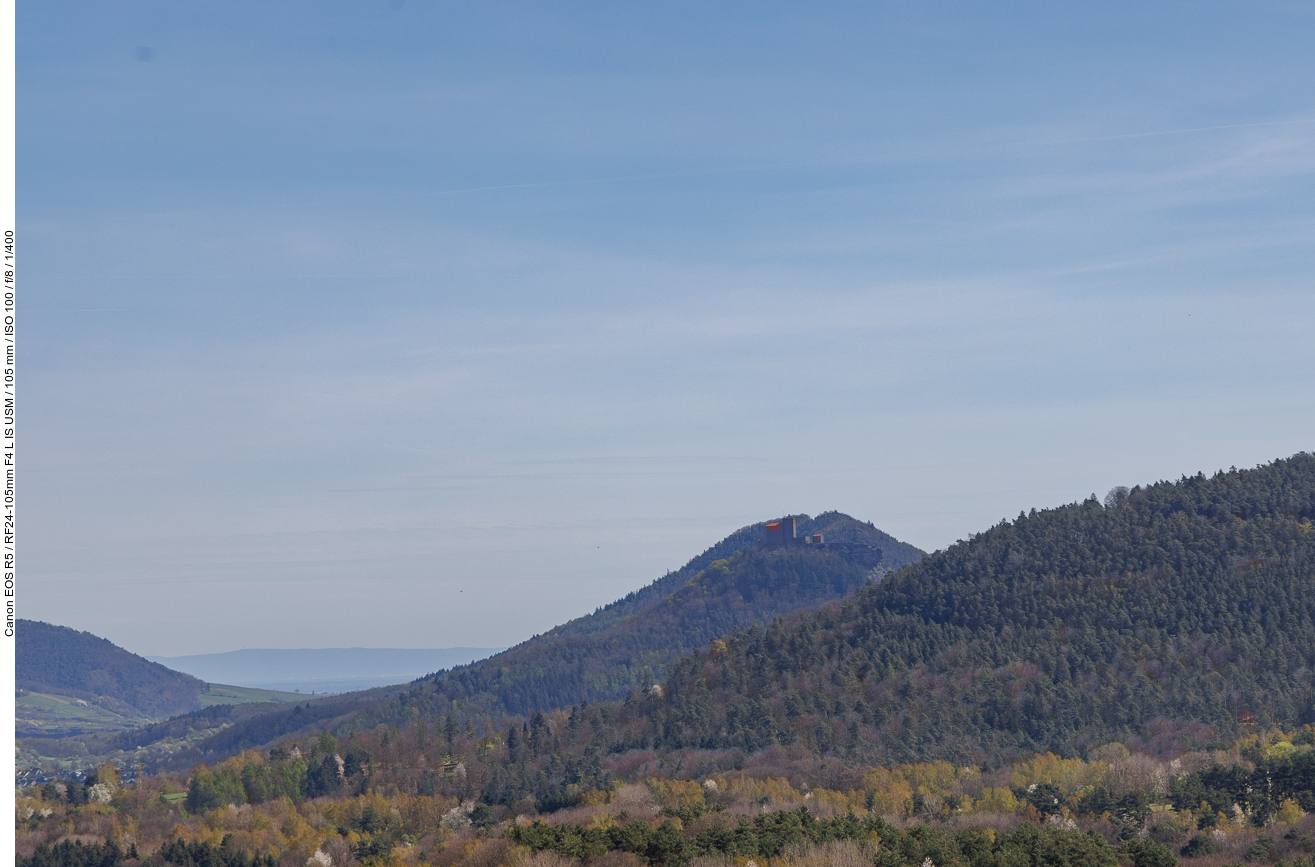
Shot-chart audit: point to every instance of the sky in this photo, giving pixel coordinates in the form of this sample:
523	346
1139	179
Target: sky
429	324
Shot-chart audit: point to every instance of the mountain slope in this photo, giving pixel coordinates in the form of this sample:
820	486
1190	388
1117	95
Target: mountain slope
623	646
1177	611
628	644
53	659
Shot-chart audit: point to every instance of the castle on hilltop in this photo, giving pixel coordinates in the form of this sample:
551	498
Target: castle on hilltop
783	534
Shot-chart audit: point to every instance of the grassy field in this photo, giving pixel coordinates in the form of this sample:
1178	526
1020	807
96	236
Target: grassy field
64	719
40	714
224	694
51	715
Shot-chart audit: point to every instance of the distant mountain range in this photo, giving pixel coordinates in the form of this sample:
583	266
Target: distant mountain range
322	670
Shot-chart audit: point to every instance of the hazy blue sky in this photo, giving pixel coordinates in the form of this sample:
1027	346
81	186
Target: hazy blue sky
426	324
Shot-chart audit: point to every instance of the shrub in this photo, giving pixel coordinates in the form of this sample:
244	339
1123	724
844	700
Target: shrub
1199	845
1147	853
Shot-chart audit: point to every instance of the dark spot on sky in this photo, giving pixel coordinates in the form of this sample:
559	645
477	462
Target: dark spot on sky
145	53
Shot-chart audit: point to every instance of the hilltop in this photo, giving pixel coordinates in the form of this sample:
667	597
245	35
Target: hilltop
628	644
834	526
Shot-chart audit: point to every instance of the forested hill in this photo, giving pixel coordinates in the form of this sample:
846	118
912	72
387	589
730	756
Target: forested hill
628	644
834	526
1173	613
56	659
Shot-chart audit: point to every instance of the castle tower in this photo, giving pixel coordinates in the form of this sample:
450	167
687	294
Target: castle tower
780	534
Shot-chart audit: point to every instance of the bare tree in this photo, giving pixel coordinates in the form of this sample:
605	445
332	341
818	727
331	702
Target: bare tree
1117	497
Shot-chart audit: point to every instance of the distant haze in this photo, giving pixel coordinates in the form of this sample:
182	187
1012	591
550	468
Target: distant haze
335	669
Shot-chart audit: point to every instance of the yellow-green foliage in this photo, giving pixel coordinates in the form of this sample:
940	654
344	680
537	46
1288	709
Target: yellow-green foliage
995	800
676	793
276	826
1068	774
890	792
1289	812
828	803
771	791
932	778
140	813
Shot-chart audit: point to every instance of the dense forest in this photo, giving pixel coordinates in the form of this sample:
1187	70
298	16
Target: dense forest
748	587
1173	614
56	659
